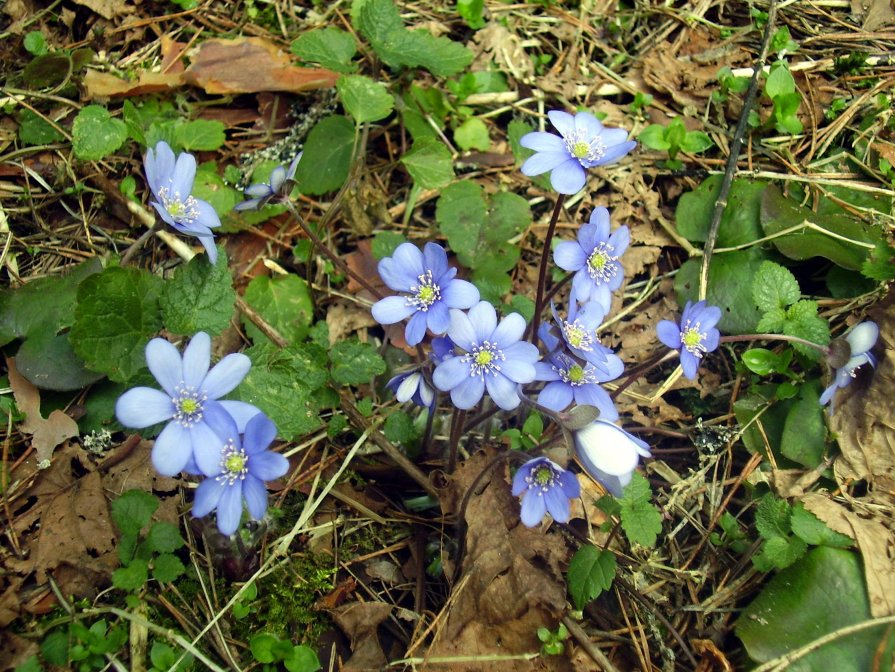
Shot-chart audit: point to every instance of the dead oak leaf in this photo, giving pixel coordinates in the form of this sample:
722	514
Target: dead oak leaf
46	433
250	65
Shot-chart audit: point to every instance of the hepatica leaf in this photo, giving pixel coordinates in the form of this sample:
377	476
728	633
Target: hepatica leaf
200	135
354	362
117	313
331	47
327	156
95	134
591	571
364	99
429	164
740	221
199	297
285	304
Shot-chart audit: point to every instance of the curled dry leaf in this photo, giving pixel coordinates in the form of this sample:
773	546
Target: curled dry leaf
359	621
47	433
101	85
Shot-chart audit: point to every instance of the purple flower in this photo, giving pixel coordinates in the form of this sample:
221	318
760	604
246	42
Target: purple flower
188	402
861	340
429	287
595	257
585	143
496	358
572	381
411	386
609	454
579	335
243	468
695	336
171	181
545	488
261	193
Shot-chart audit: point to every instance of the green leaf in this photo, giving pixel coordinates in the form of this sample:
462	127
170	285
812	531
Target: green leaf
653	136
399	428
95	134
200	297
201	135
472	134
805	432
814	531
211	187
286	384
331	47
133	577
772	322
471	12
354	362
54	648
164	538
419	48
523	305
779	553
35	130
803	321
822	593
385	243
772	517
375	19
881	263
780	548
492	282
726	288
262	647
696	142
429	164
116	314
327	156
35	43
591	571
760	361
780	80
167	568
640	520
774	287
364	99
740	223
284	302
133	510
302	659
779	214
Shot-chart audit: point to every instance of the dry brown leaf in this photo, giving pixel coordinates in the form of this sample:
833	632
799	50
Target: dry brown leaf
512	581
344	319
359	621
15	650
876	13
46	433
876	543
102	85
108	9
505	49
250	65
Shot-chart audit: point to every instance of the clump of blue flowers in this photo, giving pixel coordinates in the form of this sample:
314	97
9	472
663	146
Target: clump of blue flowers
277	185
171	180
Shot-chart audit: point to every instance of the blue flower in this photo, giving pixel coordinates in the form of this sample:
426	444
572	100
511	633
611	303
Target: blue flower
609	454
496	358
579	335
429	287
861	340
571	381
171	181
545	488
695	336
261	193
188	402
411	386
595	258
585	143
242	470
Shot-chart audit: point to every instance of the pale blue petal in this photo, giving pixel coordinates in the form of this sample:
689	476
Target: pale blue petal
503	391
415	331
562	122
594	395
828	394
210	248
592	127
461	330
518	371
569	483
863	337
142	407
230	508
206	219
259	434
568	177
207	448
255	495
196	360
392	309
709	317
615	153
712	339
557	504
183	176
450	373
606	447
613	136
468	393
519	483
689	363
483	318
172	449
207	496
159	166
543	162
226	375
600	294
569	256
556	396
543	142
669	333
533	508
522	351
460	294
610	368
408	257
165	215
438	318
509	331
544	371
619	240
435	259
164	362
268	465
240	411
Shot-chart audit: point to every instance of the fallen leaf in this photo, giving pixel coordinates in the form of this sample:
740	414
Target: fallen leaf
359	621
46	433
102	85
876	13
108	9
250	65
15	650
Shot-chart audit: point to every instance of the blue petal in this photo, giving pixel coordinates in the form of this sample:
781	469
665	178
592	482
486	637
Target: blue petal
568	177
569	256
450	373
268	465
172	450
206	219
258	191
689	363
438	318
415	331
615	153
709	317
596	396
159	166
543	162
620	239
396	277
519	371
141	407
165	215
483	318
828	394
207	496
392	309
468	393
277	178
569	484
556	396
557	504
461	330
207	448
543	142
711	340
460	294
184	175
259	434
863	337
669	333
519	483
533	508
605	447
230	508
255	495
240	411
610	368
614	136
509	331
226	375
503	391
165	364
196	360
592	127
544	371
210	248
562	122
435	259
408	257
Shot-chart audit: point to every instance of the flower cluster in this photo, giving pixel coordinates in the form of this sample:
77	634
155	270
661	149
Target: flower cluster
202	434
860	341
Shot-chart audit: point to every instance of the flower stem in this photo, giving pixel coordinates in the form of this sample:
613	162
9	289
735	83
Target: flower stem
456	432
542	271
641	371
823	349
138	244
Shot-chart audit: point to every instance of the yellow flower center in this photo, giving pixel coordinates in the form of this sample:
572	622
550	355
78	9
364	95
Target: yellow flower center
692	338
484	357
576	374
580	149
